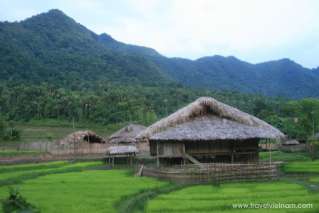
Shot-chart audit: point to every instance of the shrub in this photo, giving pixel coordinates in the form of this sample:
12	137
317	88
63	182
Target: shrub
17	203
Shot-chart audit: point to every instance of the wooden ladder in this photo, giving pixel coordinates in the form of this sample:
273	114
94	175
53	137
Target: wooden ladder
193	160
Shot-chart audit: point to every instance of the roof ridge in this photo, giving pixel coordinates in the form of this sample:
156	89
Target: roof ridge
199	107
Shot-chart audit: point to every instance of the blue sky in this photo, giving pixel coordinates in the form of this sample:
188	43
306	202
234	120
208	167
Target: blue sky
252	30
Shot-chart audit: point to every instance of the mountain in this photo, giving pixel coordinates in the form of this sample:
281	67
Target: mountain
274	78
52	47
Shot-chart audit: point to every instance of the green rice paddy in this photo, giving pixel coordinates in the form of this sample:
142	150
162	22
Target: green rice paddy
232	197
73	187
302	167
69	187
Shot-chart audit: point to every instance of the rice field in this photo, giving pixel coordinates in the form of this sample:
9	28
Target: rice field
72	187
64	186
233	197
285	156
302	167
14	153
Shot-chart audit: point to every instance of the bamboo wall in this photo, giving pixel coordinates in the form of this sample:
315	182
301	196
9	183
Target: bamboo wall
82	147
216	172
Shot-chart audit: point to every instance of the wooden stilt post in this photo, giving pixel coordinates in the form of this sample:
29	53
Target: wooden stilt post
270	153
184	151
232	153
157	157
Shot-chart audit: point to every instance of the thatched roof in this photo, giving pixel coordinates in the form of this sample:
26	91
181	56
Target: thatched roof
126	134
209	119
290	142
84	135
122	149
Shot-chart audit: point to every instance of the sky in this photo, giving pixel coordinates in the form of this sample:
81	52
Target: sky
251	30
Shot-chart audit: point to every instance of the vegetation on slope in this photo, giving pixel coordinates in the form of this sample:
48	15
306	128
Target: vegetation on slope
51	47
108	104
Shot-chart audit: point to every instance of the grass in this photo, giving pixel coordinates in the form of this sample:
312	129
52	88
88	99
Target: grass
314	179
302	167
210	198
285	156
136	203
19	176
15	153
85	191
30	167
295	162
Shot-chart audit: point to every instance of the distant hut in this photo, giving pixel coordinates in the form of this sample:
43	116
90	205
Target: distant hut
207	131
82	136
292	145
124	143
79	142
291	142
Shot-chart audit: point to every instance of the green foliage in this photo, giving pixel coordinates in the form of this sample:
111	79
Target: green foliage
107	104
8	132
114	104
17	203
2	128
314	147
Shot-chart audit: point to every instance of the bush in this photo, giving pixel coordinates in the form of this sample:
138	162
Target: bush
313	148
18	204
12	134
2	128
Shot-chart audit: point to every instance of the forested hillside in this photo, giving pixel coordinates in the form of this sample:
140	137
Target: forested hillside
52	47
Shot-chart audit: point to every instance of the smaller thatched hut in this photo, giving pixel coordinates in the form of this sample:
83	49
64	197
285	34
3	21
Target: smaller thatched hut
292	145
80	136
124	143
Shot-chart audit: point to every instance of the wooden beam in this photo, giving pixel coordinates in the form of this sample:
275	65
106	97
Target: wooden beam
193	160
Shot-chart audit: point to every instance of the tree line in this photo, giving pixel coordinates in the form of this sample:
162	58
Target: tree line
111	104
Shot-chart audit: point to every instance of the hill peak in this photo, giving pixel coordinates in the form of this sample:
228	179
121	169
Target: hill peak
106	38
53	14
56	12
